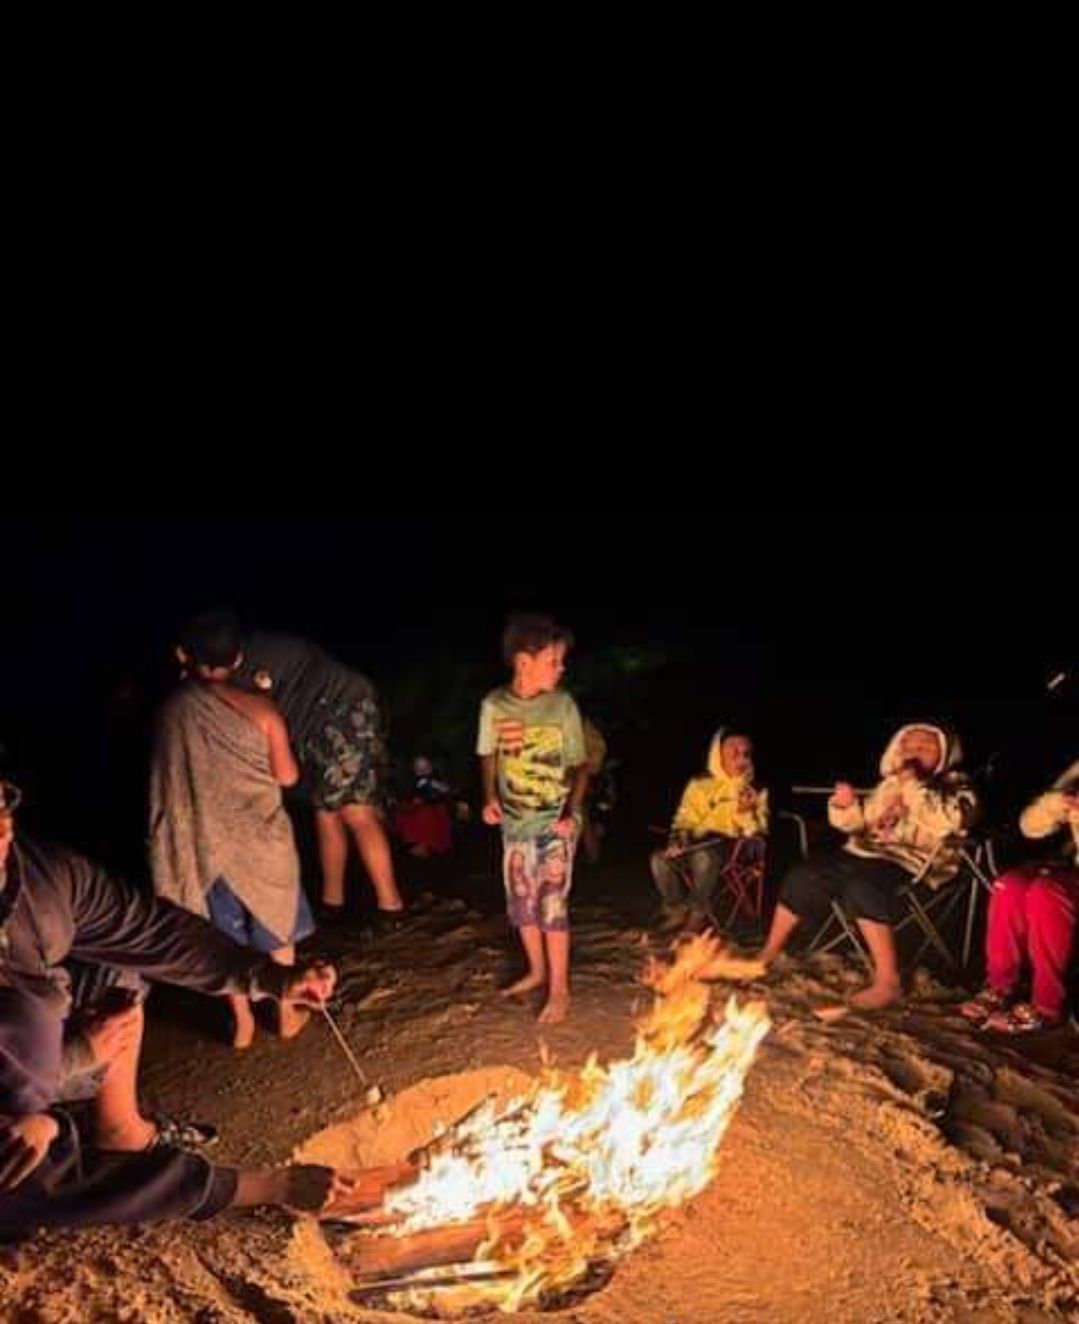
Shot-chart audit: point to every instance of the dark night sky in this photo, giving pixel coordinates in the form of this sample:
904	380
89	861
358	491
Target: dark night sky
819	633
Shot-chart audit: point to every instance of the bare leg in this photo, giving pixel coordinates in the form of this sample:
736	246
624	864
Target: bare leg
558	985
784	922
536	977
118	1123
886	987
332	854
365	824
290	1018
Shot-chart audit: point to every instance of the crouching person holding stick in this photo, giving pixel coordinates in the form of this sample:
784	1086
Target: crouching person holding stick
56	907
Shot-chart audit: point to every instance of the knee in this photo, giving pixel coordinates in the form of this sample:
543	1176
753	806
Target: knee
802	890
1048	900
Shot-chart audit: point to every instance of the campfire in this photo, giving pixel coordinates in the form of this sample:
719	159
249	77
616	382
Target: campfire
524	1202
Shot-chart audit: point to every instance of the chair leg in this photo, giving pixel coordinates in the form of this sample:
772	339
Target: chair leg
977	883
740	899
924	921
822	933
846	932
850	932
737	885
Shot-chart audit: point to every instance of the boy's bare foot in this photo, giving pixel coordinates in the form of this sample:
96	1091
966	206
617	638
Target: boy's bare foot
837	1011
525	985
874	998
671	918
877	996
556	1009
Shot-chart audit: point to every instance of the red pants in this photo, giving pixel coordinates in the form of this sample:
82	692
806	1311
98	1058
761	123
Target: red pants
427	825
1032	914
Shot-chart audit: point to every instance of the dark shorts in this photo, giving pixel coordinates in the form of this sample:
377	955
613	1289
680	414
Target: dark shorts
344	756
868	888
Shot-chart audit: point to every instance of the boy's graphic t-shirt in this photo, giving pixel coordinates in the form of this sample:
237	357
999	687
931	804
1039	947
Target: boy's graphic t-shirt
537	741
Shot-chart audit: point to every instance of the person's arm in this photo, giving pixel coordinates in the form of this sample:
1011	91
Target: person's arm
845	812
487	749
283	765
687	818
114	924
578	788
570	819
492	807
753	815
575	753
1047	814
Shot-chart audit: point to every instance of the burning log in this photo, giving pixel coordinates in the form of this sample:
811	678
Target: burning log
454	1243
423	1282
377	1257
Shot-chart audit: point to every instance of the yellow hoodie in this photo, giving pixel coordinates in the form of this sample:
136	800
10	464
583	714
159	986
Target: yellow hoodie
711	807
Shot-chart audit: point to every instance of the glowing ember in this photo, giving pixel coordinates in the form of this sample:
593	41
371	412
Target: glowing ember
574	1174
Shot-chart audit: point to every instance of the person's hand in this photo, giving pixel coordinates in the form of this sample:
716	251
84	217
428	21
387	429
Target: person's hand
843	796
357	1192
313	986
110	1034
492	813
24	1142
309	1188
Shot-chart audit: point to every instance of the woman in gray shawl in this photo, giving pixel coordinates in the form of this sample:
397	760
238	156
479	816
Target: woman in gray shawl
221	843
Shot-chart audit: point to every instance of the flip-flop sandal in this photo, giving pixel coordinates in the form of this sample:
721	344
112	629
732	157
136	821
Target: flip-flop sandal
1020	1019
979	1008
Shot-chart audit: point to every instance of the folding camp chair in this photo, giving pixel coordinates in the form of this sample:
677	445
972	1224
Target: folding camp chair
928	908
741	879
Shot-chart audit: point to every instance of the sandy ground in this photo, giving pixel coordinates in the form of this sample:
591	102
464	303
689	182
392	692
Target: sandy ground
889	1168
